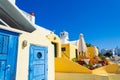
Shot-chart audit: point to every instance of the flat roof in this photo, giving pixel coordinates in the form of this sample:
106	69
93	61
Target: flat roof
14	17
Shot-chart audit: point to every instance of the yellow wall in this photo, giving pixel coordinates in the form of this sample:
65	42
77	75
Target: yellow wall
82	76
73	76
36	38
66	53
65	65
111	68
70	51
91	51
55	39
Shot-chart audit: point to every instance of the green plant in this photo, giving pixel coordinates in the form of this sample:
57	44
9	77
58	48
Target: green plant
108	54
102	56
88	45
75	60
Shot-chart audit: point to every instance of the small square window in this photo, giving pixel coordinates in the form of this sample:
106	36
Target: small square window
63	49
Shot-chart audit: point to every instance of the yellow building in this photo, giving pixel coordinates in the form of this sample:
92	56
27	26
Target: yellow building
69	51
66	69
55	40
92	51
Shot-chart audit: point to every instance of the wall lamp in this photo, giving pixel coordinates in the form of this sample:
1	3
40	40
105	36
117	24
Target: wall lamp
24	43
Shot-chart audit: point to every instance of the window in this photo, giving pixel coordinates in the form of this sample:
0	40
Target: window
63	49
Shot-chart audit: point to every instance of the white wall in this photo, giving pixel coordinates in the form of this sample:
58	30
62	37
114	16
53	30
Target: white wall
36	38
12	1
23	54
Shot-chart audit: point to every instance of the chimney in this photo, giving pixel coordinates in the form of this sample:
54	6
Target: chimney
64	37
32	13
32	17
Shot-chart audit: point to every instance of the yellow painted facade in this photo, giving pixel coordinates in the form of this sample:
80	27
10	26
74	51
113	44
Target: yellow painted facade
65	69
111	68
68	70
55	40
83	76
68	51
73	76
65	65
35	38
91	51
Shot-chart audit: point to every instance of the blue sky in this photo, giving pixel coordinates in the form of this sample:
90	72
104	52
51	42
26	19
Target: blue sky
98	20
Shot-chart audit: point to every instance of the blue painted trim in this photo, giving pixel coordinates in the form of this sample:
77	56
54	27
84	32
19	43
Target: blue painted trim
31	52
12	53
9	32
13	57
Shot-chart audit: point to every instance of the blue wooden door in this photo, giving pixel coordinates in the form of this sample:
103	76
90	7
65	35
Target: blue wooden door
38	65
8	56
2	66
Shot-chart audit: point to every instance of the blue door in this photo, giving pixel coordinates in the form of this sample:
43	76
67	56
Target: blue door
8	56
38	65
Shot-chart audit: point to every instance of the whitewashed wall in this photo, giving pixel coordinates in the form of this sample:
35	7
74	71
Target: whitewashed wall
38	38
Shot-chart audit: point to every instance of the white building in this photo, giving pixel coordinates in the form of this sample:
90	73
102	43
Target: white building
25	51
117	51
104	51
